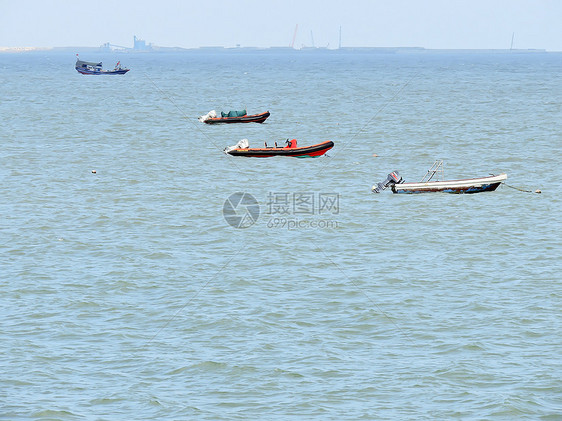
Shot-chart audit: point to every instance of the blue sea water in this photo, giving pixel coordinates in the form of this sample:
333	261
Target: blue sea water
126	294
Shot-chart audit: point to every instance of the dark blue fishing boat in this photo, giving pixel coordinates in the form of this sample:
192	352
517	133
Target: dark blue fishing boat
91	68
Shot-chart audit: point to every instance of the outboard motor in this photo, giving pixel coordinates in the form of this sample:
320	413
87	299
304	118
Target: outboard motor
243	144
392	178
210	114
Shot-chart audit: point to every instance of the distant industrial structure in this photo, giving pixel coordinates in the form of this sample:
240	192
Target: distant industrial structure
141	46
138	45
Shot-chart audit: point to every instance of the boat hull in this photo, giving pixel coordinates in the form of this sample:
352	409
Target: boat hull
254	118
304	152
102	72
468	186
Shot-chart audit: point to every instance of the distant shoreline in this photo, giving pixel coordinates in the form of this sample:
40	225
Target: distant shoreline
153	49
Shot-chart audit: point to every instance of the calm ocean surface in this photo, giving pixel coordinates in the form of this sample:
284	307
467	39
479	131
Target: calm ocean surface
125	294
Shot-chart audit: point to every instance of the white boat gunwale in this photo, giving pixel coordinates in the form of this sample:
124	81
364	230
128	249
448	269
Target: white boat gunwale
499	177
460	184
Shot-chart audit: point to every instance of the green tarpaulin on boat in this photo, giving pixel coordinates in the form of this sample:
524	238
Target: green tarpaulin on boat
233	113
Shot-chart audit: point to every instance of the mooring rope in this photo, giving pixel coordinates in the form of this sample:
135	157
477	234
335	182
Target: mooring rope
517	188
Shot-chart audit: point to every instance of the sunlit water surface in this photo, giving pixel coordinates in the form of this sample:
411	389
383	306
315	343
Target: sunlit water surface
126	295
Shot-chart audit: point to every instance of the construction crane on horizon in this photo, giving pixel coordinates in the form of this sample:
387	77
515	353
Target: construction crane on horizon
108	45
294	36
339	46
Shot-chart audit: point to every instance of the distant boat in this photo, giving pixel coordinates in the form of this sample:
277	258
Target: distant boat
242	148
91	68
467	185
233	117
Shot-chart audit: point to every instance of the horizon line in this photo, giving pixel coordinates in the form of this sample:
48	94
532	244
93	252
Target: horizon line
153	48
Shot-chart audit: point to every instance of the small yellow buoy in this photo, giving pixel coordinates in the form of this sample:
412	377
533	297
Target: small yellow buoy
375	155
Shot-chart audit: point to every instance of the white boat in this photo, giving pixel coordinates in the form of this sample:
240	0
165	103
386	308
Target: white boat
427	185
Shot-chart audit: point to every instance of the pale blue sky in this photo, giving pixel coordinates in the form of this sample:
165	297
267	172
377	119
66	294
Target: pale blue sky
373	23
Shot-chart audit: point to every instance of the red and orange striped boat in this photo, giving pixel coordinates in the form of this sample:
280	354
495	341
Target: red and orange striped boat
291	149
